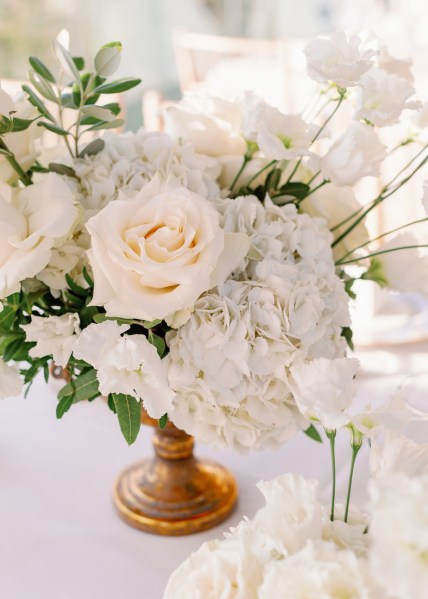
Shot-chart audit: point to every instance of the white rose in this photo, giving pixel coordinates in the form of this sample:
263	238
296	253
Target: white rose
20	143
383	97
32	221
11	384
405	270
356	154
339	59
399	532
126	364
324	389
292	514
157	253
212	125
337	204
54	336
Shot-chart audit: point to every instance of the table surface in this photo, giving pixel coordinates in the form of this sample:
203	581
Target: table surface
60	537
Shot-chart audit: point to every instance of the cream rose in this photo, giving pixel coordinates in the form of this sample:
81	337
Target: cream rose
156	253
32	221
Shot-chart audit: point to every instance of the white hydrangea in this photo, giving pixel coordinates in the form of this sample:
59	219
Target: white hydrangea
129	161
230	363
55	336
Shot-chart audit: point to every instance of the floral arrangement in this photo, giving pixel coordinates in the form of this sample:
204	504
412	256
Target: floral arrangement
202	273
297	547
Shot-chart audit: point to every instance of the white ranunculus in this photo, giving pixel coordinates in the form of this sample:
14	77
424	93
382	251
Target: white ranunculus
339	59
126	364
55	336
336	204
212	125
324	389
292	514
383	97
394	453
279	136
399	533
155	254
11	384
20	143
318	571
356	154
32	221
405	270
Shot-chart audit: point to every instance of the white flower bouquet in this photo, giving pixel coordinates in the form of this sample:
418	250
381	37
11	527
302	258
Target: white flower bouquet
200	271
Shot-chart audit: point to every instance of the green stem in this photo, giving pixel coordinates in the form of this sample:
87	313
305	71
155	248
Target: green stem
331	435
26	179
355	450
315	189
406	166
239	173
271	163
403	247
336	108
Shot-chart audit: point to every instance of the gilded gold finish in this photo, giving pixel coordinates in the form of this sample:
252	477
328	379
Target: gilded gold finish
173	493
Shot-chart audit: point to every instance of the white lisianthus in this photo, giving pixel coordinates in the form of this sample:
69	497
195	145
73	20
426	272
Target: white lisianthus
337	204
318	570
11	384
356	154
292	513
350	535
383	97
155	254
395	414
126	364
395	453
212	125
278	136
405	270
20	143
399	532
339	59
32	222
324	390
55	336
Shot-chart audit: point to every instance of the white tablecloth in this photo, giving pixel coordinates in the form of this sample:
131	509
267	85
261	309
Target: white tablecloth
60	537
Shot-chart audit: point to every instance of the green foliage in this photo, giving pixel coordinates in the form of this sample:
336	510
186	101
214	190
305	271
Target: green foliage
83	387
158	342
375	273
313	434
163	421
128	411
347	334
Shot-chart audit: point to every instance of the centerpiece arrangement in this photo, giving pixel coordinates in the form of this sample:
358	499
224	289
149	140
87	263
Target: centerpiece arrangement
190	273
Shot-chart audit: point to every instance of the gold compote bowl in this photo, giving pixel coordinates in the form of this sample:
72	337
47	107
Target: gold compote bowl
173	493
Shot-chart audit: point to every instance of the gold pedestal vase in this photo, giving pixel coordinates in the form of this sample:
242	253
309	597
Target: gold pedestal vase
173	493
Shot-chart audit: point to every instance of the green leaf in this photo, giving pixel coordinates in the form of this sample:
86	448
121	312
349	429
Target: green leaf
158	342
110	403
76	94
163	421
107	60
347	334
75	287
349	282
64	405
273	179
98	112
53	128
115	87
65	60
84	387
128	410
149	324
107	125
295	189
313	433
103	317
37	102
86	274
18	349
7	318
79	61
93	148
41	69
42	86
62	169
21	124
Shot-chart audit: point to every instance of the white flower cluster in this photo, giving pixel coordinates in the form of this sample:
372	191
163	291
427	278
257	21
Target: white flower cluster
230	363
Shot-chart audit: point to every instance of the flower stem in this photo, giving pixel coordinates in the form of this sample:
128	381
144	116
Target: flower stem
239	173
331	435
402	247
26	179
271	163
355	450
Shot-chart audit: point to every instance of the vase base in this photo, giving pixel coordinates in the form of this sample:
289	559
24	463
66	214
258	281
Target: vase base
179	498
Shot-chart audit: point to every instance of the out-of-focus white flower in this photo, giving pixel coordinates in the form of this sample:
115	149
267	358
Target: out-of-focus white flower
383	97
32	222
126	364
394	453
405	270
394	415
337	204
279	136
155	254
356	154
55	336
424	198
399	533
318	570
292	514
324	389
395	66
339	59
350	535
10	381
212	125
